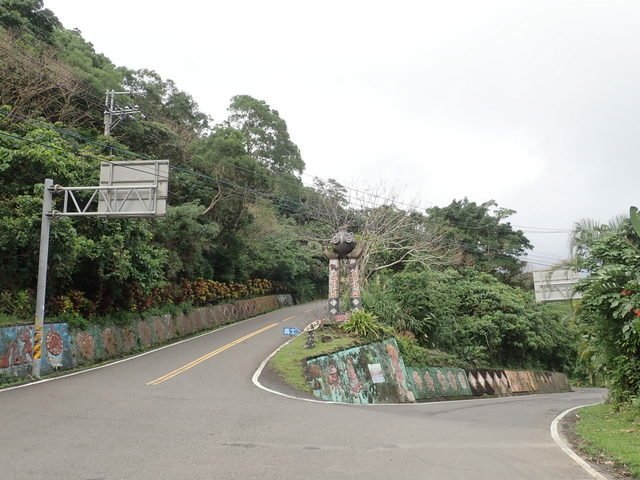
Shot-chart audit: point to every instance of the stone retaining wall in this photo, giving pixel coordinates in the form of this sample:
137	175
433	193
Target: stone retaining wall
63	349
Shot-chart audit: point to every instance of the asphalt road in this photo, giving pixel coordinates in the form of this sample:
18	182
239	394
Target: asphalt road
148	418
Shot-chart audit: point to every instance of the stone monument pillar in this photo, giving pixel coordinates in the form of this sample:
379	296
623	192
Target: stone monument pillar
354	285
334	287
343	246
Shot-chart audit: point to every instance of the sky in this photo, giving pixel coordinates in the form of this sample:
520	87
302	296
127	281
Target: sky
533	104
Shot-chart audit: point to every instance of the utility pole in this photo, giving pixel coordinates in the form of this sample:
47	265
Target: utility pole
47	204
113	114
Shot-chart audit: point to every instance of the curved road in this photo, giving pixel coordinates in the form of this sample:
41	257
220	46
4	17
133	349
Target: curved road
190	411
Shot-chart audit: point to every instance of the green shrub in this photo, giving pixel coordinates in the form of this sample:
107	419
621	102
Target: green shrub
75	321
20	304
365	324
417	356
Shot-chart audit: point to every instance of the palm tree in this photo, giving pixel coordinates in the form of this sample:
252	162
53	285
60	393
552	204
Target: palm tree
587	231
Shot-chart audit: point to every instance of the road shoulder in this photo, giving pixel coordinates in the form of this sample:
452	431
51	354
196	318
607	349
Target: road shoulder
605	469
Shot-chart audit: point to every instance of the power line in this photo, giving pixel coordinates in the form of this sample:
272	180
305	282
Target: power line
361	203
285	204
77	136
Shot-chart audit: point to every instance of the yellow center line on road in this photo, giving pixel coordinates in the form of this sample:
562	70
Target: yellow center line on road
288	318
307	311
203	358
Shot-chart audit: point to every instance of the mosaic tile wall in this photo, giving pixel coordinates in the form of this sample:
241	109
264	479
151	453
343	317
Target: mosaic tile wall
373	373
438	382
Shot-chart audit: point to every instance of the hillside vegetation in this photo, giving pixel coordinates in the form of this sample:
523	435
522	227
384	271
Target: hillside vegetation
447	280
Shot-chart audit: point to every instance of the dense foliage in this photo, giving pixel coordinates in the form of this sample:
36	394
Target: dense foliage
474	316
610	309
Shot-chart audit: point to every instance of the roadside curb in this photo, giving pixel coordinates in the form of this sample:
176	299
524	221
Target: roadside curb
256	377
564	446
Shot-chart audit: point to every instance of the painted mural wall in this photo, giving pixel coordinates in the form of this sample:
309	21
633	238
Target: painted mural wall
16	349
97	344
484	381
376	373
515	382
63	349
438	382
373	373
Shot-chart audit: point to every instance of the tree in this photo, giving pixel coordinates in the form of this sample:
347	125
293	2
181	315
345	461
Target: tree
586	232
473	315
78	56
393	238
29	15
609	313
390	237
487	242
187	237
266	135
34	84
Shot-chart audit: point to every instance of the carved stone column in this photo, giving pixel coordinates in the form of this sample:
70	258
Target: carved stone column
334	287
354	285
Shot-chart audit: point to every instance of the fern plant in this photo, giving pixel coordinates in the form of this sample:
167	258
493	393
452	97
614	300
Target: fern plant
364	324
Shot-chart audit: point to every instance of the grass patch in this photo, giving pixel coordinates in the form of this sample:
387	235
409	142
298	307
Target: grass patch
610	434
289	363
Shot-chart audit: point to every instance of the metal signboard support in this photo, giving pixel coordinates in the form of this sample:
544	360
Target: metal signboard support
131	189
114	201
47	203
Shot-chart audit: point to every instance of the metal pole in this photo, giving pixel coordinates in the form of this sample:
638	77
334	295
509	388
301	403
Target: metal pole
47	203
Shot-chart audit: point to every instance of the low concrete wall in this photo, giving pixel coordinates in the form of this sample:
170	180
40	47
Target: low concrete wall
521	381
376	373
485	381
537	381
16	349
515	382
373	373
438	382
63	349
98	344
